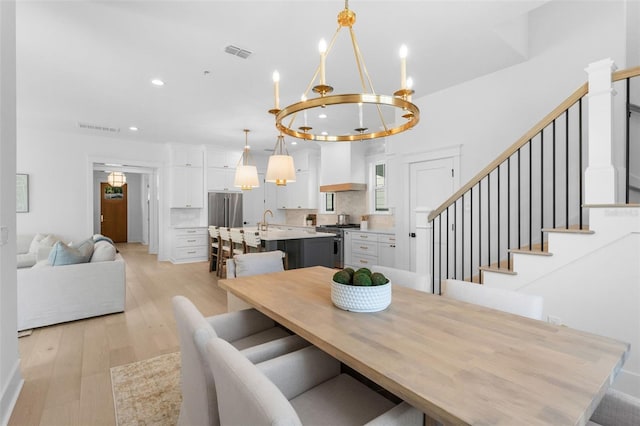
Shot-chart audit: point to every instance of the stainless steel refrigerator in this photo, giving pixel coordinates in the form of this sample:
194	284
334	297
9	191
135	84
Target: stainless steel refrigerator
225	209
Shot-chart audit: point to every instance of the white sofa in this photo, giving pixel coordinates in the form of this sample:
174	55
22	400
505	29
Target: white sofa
54	294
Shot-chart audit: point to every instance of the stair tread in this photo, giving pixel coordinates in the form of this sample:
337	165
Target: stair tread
569	231
498	270
531	252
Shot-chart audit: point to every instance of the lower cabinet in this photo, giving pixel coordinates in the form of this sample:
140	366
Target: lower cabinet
190	245
365	249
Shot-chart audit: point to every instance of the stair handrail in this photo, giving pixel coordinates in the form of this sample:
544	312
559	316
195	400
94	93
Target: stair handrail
524	139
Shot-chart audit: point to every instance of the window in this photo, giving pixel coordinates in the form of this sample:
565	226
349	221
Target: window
329	202
380	188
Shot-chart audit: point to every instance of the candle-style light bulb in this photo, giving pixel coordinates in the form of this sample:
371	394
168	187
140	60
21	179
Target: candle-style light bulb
360	114
322	48
409	87
276	89
303	98
403	66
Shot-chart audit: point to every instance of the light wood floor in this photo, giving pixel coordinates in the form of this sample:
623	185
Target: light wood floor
66	366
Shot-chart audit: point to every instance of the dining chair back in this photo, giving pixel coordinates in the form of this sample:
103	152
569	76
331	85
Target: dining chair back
617	409
404	278
302	387
523	304
254	334
214	237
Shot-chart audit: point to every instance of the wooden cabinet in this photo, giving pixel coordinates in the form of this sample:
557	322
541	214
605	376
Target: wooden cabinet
190	245
365	249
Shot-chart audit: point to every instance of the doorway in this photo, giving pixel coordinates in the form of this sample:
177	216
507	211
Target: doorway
113	212
430	183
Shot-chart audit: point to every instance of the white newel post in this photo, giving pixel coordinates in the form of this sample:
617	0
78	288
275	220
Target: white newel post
423	241
600	176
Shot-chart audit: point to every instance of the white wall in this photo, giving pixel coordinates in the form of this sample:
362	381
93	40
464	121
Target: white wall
60	169
10	378
488	114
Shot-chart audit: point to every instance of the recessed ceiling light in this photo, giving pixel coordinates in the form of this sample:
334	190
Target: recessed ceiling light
294	143
133	128
157	82
324	133
323	115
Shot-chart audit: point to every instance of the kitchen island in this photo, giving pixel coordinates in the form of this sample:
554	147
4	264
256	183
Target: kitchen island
304	247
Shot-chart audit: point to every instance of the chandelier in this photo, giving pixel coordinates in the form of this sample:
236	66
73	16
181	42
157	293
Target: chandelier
280	168
289	122
246	174
116	179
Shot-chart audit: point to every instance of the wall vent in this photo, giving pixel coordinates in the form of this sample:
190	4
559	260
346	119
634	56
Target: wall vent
236	51
98	127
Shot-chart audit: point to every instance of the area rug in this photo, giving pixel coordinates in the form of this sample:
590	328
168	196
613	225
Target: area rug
147	392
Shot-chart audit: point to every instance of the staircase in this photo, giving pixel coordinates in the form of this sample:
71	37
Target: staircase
542	219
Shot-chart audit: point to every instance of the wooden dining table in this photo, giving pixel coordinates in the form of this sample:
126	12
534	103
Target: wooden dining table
459	363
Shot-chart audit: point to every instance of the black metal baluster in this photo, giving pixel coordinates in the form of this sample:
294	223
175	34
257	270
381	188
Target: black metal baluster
439	251
447	245
519	205
541	188
627	149
498	222
462	237
479	230
471	237
566	207
433	256
553	181
489	219
455	239
530	195
509	212
580	157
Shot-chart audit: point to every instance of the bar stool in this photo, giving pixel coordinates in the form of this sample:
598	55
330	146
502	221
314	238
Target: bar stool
252	242
214	238
237	241
225	248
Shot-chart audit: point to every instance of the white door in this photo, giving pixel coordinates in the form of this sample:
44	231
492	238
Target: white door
431	183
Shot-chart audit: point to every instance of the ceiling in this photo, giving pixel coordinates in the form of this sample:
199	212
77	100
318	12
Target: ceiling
92	62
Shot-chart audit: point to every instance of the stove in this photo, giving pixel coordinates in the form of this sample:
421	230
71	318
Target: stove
338	244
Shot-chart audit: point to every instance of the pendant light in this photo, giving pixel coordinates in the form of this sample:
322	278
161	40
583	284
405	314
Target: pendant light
246	174
280	168
116	179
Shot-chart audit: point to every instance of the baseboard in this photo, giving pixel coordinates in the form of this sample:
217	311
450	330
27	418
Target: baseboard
10	393
628	382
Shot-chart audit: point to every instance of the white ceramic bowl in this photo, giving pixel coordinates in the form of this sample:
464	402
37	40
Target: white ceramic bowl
361	298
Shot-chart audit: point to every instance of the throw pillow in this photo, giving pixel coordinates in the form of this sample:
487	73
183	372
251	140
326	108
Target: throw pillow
49	241
103	251
35	243
62	254
258	263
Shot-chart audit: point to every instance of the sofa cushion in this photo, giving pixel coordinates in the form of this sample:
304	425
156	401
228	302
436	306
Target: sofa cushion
62	254
35	243
103	251
26	260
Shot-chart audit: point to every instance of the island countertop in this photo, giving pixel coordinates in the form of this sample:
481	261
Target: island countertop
281	234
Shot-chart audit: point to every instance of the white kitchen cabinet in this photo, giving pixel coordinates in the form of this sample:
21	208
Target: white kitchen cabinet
187	187
365	249
223	158
190	245
186	157
221	179
301	194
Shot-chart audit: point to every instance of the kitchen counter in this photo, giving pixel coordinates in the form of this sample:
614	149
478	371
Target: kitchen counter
389	231
279	234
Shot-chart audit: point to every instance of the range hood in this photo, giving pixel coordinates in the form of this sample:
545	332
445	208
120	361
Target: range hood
342	167
340	187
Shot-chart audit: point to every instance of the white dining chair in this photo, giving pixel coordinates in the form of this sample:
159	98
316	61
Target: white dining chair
617	409
253	242
301	387
514	302
404	278
237	240
255	335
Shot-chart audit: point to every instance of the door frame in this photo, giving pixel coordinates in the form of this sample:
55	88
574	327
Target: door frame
154	170
403	213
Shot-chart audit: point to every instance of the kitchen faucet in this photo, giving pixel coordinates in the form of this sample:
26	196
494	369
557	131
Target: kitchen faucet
264	225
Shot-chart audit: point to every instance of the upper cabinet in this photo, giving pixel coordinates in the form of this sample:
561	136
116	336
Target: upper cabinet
303	193
187	177
223	159
221	169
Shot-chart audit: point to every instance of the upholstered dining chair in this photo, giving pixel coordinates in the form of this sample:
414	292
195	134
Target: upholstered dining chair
301	387
214	247
243	265
256	337
404	278
617	409
514	302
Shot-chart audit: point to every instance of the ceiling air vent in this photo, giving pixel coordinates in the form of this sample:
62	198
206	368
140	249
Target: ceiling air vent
98	127
236	51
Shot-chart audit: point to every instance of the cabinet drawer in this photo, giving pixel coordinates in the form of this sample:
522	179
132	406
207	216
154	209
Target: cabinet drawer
363	261
364	236
364	247
387	239
191	231
191	240
187	253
